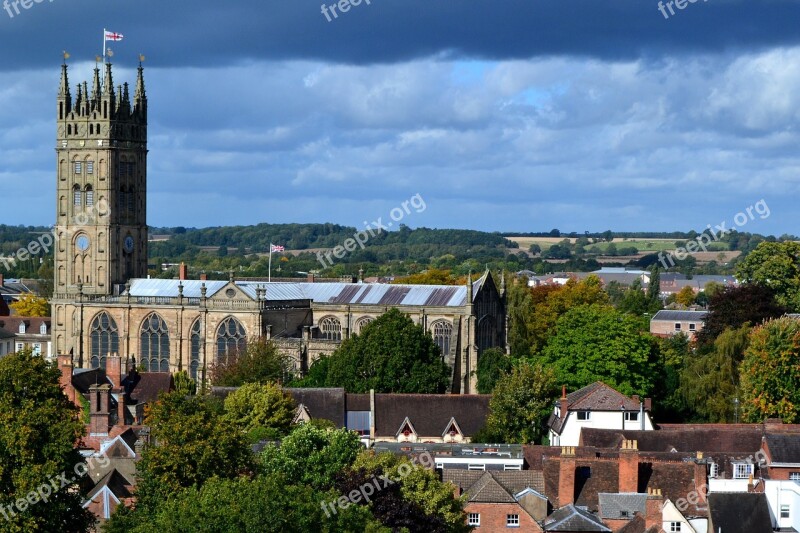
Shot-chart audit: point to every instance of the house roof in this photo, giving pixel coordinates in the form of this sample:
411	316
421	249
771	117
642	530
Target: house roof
600	397
688	438
4	334
571	518
430	414
320	403
146	386
621	505
784	447
453	450
679	316
115	482
333	293
739	512
32	324
494	486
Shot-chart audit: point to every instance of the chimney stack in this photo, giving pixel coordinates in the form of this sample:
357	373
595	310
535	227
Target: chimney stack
566	476
99	400
653	515
2	281
65	379
648	404
183	271
629	466
310	277
203	277
564	402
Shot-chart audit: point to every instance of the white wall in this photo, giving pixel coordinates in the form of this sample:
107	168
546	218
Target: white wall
570	436
784	493
670	513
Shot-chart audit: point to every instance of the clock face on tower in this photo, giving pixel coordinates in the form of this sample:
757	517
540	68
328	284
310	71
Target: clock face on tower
82	242
129	244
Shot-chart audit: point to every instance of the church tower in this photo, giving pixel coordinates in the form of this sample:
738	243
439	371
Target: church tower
101	206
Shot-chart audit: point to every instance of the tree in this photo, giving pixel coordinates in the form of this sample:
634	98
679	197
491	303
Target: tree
685	296
260	410
777	266
594	342
733	307
431	276
191	444
260	362
710	382
520	403
222	251
39	427
654	287
770	372
392	354
493	364
312	456
184	384
634	300
30	305
264	504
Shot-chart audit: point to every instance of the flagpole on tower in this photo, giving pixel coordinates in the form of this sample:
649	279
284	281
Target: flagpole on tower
104	48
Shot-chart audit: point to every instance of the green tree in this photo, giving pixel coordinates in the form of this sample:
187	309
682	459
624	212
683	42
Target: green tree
777	266
654	287
392	354
260	410
184	384
733	307
264	504
493	364
312	456
710	381
39	427
676	352
191	443
30	305
520	403
594	342
260	362
770	372
685	296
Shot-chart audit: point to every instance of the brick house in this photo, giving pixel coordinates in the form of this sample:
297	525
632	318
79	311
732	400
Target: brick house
497	501
666	323
782	452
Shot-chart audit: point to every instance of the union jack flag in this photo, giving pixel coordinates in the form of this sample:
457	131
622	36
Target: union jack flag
276	248
113	36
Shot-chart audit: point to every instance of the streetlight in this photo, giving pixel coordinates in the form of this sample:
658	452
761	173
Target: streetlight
736	409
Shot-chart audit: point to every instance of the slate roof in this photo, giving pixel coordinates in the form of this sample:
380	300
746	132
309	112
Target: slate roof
571	518
784	447
687	438
679	316
115	482
333	293
621	505
146	386
739	512
430	414
32	324
4	334
328	404
494	486
600	397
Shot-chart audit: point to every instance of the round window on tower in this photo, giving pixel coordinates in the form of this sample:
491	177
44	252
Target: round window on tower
83	243
129	244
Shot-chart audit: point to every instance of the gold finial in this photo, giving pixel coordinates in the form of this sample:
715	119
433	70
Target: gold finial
65	54
141	58
97	59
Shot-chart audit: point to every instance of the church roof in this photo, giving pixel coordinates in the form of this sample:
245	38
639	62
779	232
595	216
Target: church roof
333	293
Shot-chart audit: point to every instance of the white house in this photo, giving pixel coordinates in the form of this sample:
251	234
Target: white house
596	406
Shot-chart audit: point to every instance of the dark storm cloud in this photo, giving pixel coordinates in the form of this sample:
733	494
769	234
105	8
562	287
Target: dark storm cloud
209	32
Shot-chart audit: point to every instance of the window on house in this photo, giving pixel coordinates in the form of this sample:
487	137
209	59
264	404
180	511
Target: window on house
583	415
20	346
674	527
631	416
22	327
677	326
742	470
512	520
785	511
473	466
358	421
43	329
794	476
713	471
692	327
624	513
474	519
512	467
37	349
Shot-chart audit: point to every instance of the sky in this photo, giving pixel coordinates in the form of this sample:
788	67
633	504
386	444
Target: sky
496	115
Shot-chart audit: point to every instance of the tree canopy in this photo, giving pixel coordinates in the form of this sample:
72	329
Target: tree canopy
733	307
260	411
392	354
39	427
260	362
777	266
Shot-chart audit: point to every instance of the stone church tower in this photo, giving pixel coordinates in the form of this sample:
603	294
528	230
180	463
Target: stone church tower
101	184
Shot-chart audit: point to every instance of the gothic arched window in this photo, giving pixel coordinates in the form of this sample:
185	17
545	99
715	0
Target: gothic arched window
89	196
231	338
77	196
485	334
194	363
442	333
154	346
362	322
104	339
330	328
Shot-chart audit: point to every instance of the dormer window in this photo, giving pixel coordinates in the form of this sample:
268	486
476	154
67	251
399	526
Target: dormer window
22	327
43	329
